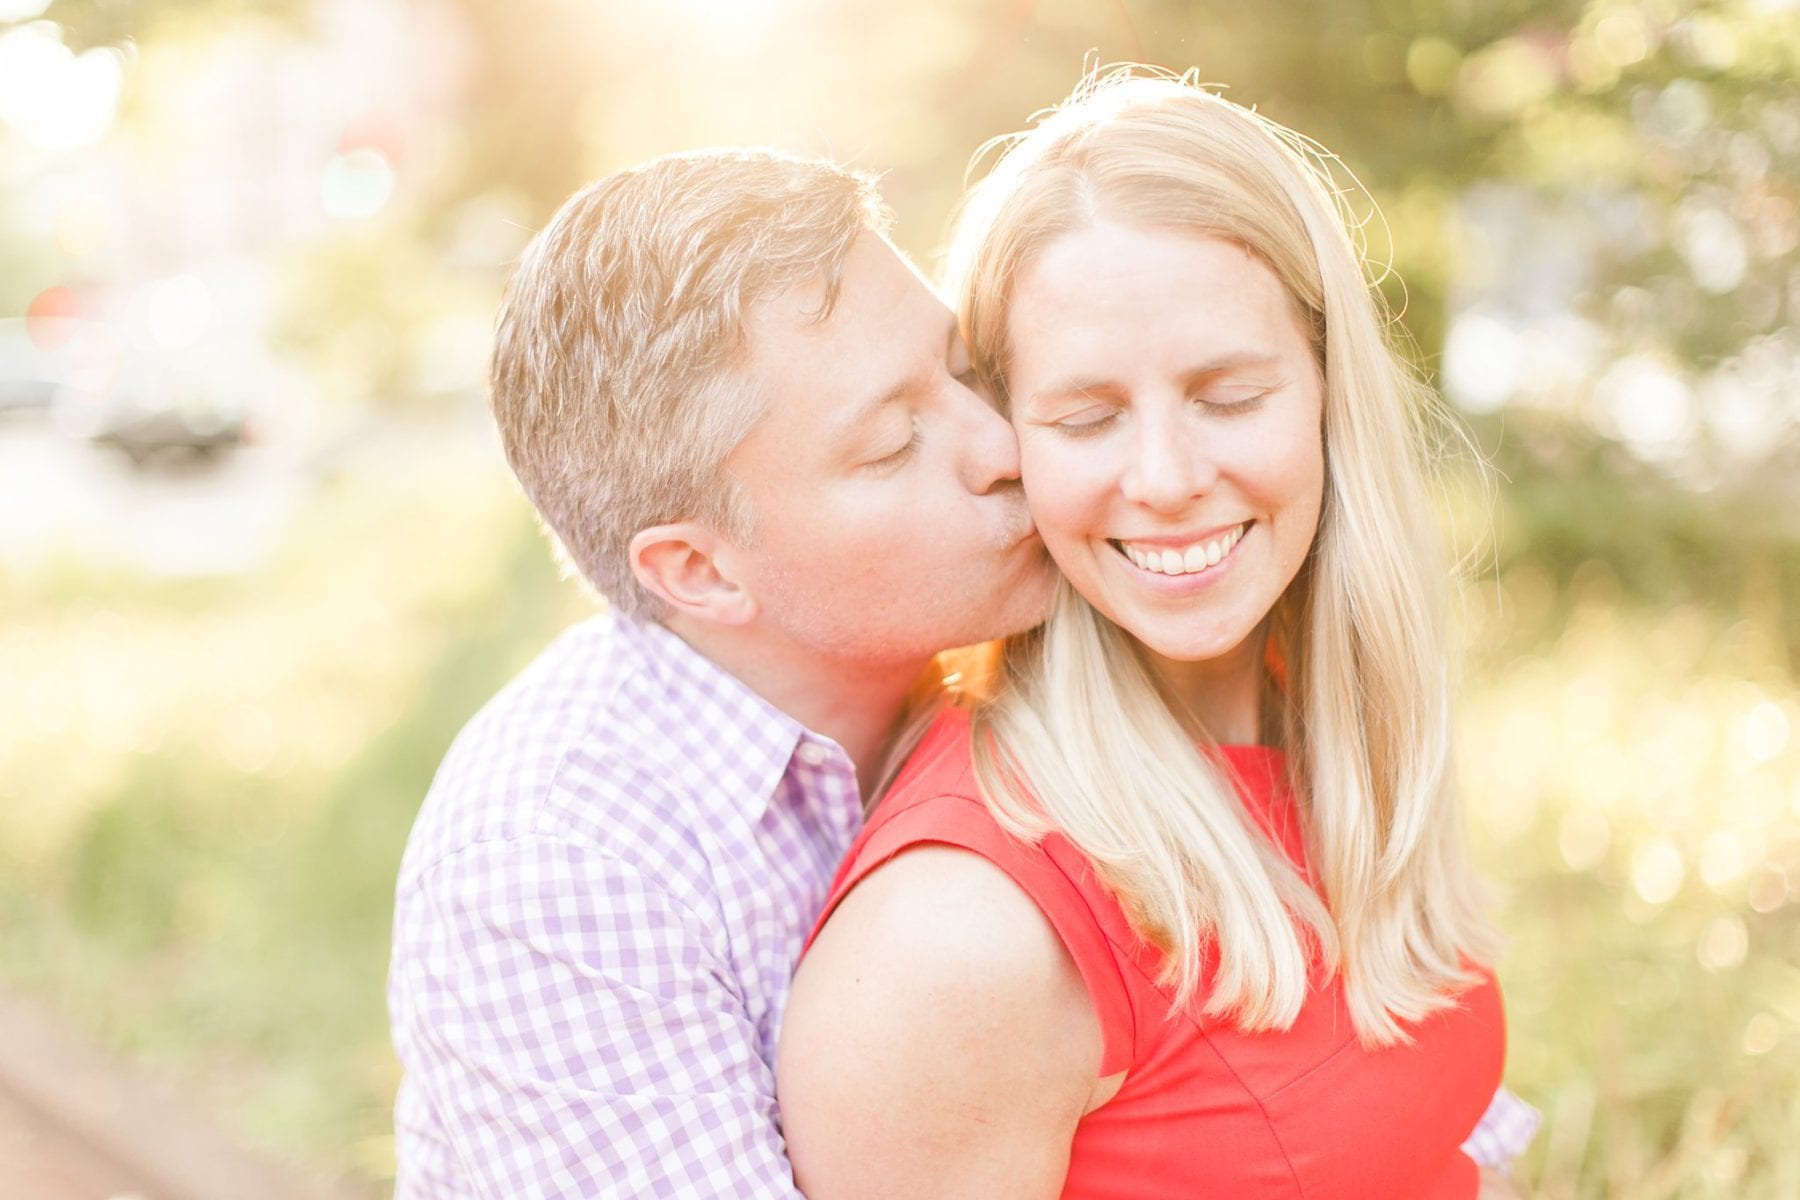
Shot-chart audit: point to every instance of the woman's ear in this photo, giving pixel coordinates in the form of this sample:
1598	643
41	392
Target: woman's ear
690	568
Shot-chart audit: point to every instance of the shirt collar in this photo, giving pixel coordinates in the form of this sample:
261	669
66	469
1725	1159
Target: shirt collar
747	744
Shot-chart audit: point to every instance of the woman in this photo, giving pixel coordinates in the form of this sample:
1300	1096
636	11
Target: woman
1183	907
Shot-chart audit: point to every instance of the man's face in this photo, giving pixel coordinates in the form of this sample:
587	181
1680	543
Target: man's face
888	518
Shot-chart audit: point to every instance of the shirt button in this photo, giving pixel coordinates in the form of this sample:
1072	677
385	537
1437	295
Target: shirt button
812	754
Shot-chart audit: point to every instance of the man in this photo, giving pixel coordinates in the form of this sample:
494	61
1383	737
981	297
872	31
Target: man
744	420
742	416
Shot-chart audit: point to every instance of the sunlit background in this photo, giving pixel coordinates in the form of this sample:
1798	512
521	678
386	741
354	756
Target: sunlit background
259	556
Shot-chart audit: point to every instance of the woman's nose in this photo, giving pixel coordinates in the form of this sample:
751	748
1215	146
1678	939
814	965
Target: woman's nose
1169	466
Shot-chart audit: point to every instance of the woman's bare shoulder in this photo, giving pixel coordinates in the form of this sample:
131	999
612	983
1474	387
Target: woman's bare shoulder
939	1030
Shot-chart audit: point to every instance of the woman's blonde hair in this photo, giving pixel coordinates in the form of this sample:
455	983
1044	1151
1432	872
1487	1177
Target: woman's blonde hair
1079	737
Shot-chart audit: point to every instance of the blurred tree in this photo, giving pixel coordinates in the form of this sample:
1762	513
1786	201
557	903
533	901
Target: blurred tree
1609	184
1656	148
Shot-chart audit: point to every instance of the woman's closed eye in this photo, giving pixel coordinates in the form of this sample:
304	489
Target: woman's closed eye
1088	418
1224	395
1086	422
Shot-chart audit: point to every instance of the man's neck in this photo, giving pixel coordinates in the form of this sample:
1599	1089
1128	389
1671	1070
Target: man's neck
855	705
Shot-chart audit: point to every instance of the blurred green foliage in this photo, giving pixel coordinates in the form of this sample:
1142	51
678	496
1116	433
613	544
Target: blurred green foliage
215	895
1576	502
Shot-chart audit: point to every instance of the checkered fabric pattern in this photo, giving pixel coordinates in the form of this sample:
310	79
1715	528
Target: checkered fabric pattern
1504	1132
597	918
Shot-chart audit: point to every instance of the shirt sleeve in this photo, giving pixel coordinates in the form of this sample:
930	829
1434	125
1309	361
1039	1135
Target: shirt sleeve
1504	1131
575	1031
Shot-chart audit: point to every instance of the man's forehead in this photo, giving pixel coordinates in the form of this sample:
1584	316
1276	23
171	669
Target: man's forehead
884	310
879	344
874	279
798	307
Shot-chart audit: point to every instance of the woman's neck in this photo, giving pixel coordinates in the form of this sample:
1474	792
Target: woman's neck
1220	698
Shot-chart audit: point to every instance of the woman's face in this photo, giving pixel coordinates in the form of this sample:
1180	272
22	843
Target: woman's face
1168	407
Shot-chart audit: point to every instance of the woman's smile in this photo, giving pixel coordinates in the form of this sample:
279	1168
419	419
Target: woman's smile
1179	557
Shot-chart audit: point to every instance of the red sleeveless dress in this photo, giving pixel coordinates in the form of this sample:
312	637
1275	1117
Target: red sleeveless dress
1207	1110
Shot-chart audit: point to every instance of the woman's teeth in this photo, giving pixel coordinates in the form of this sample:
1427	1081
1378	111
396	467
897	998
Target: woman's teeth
1186	560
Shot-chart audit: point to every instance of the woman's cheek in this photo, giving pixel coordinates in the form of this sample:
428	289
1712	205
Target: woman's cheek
1051	481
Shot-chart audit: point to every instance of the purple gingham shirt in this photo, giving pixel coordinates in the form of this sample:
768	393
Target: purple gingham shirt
597	919
596	924
1503	1132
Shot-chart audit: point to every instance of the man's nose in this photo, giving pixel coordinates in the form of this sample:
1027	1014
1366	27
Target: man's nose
991	460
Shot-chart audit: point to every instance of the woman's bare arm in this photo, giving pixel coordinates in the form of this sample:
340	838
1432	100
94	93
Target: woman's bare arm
939	1041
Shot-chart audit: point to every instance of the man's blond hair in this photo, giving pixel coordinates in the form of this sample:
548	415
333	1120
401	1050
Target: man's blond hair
615	377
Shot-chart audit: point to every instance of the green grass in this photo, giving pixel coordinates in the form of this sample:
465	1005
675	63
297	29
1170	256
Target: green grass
1636	794
221	778
205	787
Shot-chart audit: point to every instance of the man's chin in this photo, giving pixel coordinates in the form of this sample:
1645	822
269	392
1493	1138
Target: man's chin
1026	607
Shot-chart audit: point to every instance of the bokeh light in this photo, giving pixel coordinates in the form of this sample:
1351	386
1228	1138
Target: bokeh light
55	99
1647	404
172	314
1765	731
1723	943
1761	1034
357	183
1657	872
50	317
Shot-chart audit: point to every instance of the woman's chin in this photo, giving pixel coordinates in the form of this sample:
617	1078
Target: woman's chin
1196	653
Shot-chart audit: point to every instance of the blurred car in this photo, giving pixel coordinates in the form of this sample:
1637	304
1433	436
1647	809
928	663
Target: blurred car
29	376
23	396
195	428
150	407
153	407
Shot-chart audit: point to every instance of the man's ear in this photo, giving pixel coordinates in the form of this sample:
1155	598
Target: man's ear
689	568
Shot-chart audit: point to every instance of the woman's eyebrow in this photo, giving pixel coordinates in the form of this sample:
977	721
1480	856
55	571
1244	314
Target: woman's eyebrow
1080	386
1083	385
